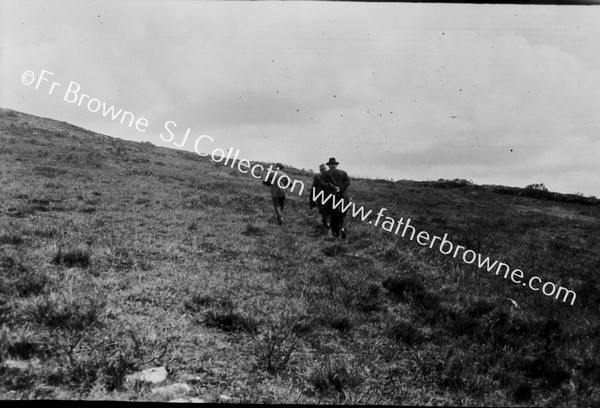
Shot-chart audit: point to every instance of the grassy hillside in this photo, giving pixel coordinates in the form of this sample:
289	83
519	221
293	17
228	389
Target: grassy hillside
118	256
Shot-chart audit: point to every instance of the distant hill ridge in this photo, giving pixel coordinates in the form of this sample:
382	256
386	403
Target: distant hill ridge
21	123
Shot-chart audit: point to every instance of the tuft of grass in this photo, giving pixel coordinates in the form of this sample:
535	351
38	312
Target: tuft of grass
20	344
522	393
541	367
16	278
334	250
32	282
49	171
252	230
41	201
46	233
73	257
11	239
359	294
343	324
403	285
200	301
142	200
409	289
60	312
280	337
87	210
406	332
230	321
334	376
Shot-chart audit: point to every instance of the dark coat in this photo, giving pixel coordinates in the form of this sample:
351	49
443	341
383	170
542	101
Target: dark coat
317	184
336	178
276	191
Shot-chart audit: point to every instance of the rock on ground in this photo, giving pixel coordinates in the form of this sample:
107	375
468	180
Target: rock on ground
152	375
172	390
196	400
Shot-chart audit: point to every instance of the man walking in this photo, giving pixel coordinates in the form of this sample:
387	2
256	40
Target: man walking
336	182
277	192
318	186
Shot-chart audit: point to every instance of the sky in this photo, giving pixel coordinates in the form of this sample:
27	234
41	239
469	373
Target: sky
498	94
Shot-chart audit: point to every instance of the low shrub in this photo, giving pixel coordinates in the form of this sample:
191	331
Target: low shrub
334	250
11	239
16	278
19	343
252	230
280	336
32	282
406	332
73	257
60	312
334	376
410	289
230	321
200	301
522	393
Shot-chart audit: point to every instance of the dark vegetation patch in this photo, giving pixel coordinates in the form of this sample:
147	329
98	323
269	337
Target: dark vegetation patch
23	210
31	282
537	191
588	293
87	210
11	239
198	302
279	337
142	201
343	324
401	286
72	257
406	332
545	195
456	183
409	289
252	230
230	320
542	367
45	233
522	393
334	250
334	376
49	171
22	348
336	319
24	281
60	312
220	312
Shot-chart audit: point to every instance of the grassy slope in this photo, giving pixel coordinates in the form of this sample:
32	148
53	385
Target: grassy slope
118	256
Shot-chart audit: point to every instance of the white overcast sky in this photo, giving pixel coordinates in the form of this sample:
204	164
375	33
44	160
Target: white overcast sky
500	94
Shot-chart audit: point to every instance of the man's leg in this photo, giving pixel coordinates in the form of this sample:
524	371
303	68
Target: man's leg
342	226
335	223
277	206
324	217
281	204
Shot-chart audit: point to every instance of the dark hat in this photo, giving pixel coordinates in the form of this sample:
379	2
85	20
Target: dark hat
279	166
332	161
